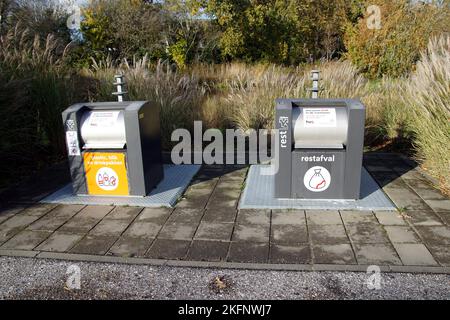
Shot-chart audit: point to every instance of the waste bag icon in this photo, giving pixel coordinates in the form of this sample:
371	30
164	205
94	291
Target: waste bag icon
317	179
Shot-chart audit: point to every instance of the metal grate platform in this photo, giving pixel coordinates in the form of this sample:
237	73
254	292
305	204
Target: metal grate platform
169	190
259	194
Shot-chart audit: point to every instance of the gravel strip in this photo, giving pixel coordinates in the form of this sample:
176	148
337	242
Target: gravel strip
28	278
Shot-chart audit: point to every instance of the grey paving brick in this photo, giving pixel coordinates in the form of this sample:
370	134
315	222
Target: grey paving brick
220	215
130	247
38	210
186	216
441	253
155	215
376	254
208	250
179	231
94	245
253	216
425	190
328	234
214	231
445	217
323	217
414	254
248	252
439	205
251	233
86	219
289	217
289	234
110	227
435	235
169	249
60	242
143	229
390	218
350	216
14	225
401	234
423	218
56	218
366	233
124	213
333	254
290	254
26	240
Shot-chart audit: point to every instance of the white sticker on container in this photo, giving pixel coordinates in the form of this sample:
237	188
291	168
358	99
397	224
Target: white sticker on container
319	117
103	118
72	143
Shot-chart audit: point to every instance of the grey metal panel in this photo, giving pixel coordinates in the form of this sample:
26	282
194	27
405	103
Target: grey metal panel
259	194
355	145
283	121
169	190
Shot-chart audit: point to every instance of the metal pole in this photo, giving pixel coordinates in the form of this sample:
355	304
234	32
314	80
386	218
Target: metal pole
315	88
120	85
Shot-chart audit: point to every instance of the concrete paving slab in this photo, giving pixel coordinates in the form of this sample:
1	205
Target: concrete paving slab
214	231
130	247
14	225
328	234
289	234
169	249
445	217
6	213
248	252
366	233
221	202
56	218
288	217
223	215
124	213
60	242
38	210
290	254
86	219
143	229
376	254
423	218
155	215
334	254
425	190
323	217
414	254
179	231
401	234
390	218
93	245
253	216
208	250
441	253
109	227
439	205
435	235
186	216
251	233
26	240
352	216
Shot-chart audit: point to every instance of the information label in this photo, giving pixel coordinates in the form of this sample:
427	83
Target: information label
319	117
103	119
106	173
72	143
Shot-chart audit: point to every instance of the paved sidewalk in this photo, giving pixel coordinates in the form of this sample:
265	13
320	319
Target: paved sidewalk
206	226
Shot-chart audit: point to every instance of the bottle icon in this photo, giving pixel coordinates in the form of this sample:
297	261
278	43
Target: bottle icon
317	181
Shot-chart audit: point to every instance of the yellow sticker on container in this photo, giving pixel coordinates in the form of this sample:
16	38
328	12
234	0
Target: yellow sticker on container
106	173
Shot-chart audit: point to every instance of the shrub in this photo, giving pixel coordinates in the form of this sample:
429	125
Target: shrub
405	30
